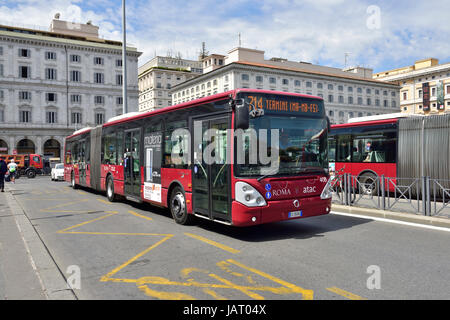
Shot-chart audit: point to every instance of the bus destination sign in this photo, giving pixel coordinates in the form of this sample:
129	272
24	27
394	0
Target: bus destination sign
279	104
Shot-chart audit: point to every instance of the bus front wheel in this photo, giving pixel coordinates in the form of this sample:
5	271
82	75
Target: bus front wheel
177	206
72	181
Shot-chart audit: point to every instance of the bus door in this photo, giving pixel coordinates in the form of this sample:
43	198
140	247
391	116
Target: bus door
132	165
211	172
82	162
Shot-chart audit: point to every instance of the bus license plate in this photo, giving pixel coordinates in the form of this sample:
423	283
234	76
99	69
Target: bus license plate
294	214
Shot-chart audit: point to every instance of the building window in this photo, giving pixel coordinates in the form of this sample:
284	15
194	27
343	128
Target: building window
50	97
259	78
24	72
245	77
360	101
341	88
75	98
24	116
319	85
24	53
330	87
98	61
1	70
76	117
377	102
350	89
405	95
119	79
385	103
341	99
50	74
308	84
24	95
75	76
368	91
369	101
272	80
99	118
119	101
359	90
99	99
297	83
285	82
50	55
99	77
433	92
51	117
393	93
350	100
330	98
118	62
75	58
393	104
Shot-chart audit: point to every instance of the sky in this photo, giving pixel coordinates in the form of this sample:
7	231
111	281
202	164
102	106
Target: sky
381	35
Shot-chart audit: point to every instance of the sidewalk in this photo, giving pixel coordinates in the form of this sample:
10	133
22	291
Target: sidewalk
391	215
27	271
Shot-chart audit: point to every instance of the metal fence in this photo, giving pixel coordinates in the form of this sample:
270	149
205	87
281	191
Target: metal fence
424	196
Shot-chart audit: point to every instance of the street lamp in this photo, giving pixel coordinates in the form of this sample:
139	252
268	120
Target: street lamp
124	62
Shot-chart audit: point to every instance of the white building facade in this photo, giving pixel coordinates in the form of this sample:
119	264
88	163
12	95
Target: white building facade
159	75
52	83
347	94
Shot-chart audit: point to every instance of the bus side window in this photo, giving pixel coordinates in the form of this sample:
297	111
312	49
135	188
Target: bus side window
344	148
332	149
180	146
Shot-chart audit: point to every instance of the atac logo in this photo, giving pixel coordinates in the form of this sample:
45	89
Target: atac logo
309	189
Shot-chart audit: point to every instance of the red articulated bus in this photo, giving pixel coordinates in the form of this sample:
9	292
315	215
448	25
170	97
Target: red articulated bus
241	158
397	146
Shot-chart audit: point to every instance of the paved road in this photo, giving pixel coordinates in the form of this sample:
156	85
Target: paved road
128	251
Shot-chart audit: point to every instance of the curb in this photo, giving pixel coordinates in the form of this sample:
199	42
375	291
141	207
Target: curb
52	280
396	216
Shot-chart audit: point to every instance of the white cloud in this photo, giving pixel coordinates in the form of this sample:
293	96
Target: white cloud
319	31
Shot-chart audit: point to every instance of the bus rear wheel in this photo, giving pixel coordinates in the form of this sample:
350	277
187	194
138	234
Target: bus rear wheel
368	184
110	190
177	206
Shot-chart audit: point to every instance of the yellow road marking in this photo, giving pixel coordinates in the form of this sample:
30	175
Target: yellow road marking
104	201
345	294
307	294
114	271
213	243
50	209
86	222
139	215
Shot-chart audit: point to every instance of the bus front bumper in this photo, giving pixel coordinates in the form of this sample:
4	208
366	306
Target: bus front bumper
279	211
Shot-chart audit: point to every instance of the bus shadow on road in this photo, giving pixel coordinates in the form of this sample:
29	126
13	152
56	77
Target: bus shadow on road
314	227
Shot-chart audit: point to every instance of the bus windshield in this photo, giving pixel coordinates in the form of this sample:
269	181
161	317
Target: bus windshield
302	146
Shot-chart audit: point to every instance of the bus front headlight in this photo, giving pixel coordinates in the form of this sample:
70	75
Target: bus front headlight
327	192
248	196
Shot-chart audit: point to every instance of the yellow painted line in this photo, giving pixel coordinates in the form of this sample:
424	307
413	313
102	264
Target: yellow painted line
139	215
86	222
104	201
50	209
214	294
114	271
213	243
244	290
345	294
307	294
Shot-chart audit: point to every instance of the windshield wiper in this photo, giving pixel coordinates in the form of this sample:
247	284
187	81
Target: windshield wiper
267	175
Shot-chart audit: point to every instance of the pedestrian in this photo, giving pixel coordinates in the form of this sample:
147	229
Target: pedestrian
3	170
12	167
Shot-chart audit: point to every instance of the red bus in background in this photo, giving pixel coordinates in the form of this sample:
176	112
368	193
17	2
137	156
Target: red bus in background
146	157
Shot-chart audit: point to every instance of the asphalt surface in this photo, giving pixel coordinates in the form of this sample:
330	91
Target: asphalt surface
124	250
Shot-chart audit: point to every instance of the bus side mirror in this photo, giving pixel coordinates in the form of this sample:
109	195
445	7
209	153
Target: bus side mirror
328	124
242	118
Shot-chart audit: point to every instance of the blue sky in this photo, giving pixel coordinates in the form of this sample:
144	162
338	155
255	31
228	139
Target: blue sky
377	34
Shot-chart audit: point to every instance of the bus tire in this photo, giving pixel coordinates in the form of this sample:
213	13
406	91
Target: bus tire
368	184
72	181
177	207
110	190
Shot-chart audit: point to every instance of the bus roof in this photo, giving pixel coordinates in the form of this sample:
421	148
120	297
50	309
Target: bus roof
380	117
232	93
